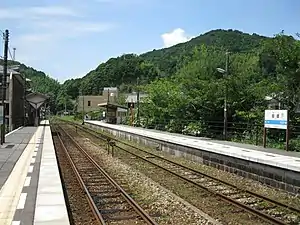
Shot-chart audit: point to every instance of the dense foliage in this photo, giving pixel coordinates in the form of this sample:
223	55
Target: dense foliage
124	70
186	92
40	82
192	99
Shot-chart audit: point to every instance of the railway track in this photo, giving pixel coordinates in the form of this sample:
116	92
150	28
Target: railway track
110	204
266	208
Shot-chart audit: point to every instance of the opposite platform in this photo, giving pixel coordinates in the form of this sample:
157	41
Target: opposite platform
277	168
288	161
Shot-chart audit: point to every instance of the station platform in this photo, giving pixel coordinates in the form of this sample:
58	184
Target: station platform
30	186
257	154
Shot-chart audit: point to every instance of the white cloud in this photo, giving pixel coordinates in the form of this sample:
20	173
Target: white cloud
39	31
123	3
119	1
34	37
69	27
35	12
44	36
40	23
54	30
174	37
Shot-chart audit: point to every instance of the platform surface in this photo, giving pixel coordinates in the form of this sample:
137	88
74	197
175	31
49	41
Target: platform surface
273	157
50	203
24	194
10	151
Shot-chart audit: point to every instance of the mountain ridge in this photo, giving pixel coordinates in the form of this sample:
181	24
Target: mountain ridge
123	71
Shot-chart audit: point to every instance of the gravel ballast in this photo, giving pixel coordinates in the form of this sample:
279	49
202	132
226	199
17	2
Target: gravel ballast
165	207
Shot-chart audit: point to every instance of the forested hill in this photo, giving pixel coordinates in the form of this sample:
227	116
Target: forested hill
167	59
40	82
124	70
197	58
189	94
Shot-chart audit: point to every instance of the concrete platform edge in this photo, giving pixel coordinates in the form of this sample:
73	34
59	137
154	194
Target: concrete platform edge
50	203
278	173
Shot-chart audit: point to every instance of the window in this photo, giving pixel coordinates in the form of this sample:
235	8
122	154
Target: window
89	103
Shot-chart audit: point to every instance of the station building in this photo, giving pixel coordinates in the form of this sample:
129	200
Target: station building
89	103
14	99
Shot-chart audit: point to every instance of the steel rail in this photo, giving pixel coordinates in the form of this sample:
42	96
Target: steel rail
262	215
297	210
94	208
149	220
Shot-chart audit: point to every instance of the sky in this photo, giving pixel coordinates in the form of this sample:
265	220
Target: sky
68	38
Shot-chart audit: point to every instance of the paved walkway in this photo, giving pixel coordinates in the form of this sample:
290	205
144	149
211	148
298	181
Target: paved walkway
229	143
271	157
16	154
11	150
30	189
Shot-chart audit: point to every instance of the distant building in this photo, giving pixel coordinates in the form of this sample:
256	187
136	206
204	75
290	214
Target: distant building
275	102
14	101
36	101
91	102
132	98
114	113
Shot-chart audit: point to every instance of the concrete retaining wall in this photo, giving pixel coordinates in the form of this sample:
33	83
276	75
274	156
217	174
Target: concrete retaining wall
277	177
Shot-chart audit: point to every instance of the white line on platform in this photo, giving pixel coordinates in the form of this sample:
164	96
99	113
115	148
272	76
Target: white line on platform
22	201
30	169
32	160
13	131
27	181
10	193
15	222
34	153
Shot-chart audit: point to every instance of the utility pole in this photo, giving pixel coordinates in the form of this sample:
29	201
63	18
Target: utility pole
107	106
65	105
24	100
131	114
138	102
226	96
83	109
6	37
14	54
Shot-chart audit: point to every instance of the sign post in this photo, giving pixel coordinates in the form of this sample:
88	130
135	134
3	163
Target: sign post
276	119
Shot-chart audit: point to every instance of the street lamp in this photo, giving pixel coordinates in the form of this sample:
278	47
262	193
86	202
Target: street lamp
225	73
138	101
220	70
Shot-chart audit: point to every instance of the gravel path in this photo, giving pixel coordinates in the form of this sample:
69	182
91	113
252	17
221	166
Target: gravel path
164	206
241	182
